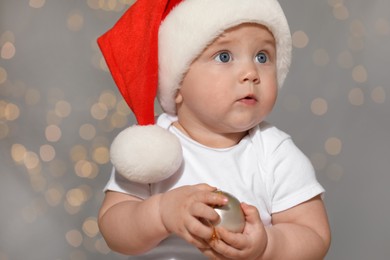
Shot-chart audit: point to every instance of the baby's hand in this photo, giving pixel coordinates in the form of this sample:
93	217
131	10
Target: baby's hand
250	244
182	210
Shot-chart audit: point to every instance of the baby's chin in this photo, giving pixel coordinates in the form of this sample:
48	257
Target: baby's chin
245	126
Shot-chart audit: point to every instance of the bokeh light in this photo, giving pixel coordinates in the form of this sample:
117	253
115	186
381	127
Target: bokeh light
333	146
101	246
319	106
74	237
90	227
8	51
87	132
63	108
53	133
101	155
11	112
18	152
75	197
300	39
37	3
75	21
86	169
340	11
31	160
378	95
47	153
356	96
54	195
359	74
99	111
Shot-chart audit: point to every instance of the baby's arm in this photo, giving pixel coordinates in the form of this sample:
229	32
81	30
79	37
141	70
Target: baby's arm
133	226
121	218
301	232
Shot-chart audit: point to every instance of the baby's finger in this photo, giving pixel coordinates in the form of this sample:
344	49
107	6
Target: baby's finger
195	240
199	229
205	187
212	198
235	240
223	248
203	211
251	213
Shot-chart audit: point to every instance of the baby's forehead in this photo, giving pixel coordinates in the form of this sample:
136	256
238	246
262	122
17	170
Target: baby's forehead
256	31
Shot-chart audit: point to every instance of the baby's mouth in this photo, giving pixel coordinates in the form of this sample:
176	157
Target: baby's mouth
250	97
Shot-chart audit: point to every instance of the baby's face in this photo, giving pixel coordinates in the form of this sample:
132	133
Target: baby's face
231	86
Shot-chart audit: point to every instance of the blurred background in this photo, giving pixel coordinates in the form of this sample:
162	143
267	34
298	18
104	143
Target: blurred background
60	110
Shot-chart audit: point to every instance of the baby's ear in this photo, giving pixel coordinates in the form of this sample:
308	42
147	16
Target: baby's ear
178	98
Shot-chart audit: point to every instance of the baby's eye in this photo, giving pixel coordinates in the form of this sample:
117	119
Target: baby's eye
261	57
223	57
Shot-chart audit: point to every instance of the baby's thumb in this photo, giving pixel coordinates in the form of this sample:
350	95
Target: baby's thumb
251	213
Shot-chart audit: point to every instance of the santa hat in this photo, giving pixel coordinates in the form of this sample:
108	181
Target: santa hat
148	52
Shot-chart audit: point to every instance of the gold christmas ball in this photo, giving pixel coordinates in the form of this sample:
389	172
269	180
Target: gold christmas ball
231	215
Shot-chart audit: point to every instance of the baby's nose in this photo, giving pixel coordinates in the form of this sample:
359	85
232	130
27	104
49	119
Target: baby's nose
250	73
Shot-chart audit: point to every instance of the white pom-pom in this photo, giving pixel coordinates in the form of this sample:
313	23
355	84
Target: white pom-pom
146	154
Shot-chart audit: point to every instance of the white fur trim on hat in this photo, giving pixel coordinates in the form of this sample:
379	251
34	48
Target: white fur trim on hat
146	154
194	24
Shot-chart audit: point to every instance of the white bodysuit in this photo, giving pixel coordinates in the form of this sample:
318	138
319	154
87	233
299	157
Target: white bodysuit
264	169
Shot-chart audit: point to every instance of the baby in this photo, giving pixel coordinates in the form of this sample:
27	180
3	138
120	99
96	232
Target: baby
219	67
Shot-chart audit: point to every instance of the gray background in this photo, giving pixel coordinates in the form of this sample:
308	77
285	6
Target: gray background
59	111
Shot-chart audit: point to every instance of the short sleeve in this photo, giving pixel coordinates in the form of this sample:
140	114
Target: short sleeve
294	179
119	183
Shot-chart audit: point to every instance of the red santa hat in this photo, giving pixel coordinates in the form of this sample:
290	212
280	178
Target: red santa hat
148	52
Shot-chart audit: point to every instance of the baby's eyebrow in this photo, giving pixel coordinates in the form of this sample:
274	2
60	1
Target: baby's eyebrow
220	41
269	42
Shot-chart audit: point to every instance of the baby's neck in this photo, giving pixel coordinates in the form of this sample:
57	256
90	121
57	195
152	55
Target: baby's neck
211	139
